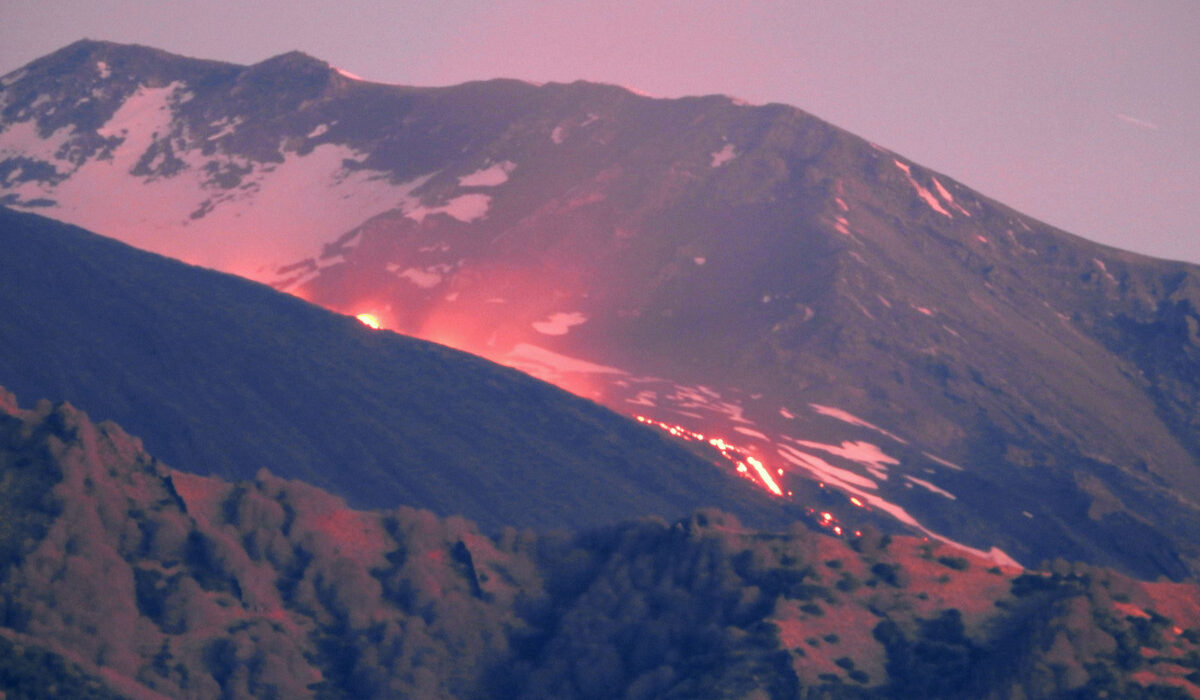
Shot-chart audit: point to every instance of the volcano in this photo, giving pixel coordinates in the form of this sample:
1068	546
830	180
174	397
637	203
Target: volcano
846	316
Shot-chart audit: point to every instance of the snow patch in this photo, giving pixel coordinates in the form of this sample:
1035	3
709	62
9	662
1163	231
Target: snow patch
644	398
42	99
557	135
144	114
13	77
1104	268
862	487
923	193
865	453
559	323
319	130
279	213
225	126
727	153
944	463
347	74
995	554
425	279
847	481
704	398
846	417
490	176
465	208
945	194
545	364
942	191
699	260
22	139
751	432
930	487
824	471
103	69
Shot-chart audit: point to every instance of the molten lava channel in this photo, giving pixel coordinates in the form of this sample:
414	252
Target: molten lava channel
746	465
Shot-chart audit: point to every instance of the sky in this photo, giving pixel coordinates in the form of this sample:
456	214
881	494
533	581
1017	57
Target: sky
1084	114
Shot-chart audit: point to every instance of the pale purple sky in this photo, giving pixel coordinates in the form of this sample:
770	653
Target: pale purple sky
1085	114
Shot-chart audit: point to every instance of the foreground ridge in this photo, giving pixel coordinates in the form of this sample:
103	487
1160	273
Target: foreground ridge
117	572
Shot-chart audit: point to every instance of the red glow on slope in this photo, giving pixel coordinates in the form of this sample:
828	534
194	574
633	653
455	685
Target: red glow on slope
465	325
299	293
740	458
753	469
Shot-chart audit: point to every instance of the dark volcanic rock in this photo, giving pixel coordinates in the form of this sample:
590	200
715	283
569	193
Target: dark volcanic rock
726	266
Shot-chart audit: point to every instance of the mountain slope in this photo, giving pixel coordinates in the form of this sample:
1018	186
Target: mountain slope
165	584
747	271
225	376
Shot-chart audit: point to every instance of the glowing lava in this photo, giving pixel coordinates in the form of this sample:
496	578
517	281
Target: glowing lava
738	457
370	320
748	467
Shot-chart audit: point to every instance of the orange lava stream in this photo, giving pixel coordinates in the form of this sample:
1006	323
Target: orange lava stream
746	465
826	520
734	455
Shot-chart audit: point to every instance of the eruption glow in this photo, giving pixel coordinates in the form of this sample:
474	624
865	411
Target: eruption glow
370	320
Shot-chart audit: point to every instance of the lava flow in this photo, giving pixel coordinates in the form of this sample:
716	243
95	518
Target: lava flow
749	467
743	461
746	465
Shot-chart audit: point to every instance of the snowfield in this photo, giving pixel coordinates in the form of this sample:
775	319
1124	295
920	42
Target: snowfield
559	323
274	216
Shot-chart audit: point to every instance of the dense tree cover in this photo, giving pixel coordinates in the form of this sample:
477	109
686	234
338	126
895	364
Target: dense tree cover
196	587
32	672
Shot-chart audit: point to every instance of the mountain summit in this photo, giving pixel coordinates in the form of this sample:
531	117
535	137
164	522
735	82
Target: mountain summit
850	317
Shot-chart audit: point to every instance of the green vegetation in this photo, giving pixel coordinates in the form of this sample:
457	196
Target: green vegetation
31	672
273	588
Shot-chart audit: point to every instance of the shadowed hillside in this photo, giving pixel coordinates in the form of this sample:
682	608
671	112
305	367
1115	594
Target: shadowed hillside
221	375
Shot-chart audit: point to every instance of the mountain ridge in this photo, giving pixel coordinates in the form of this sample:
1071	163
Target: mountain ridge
223	375
725	266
